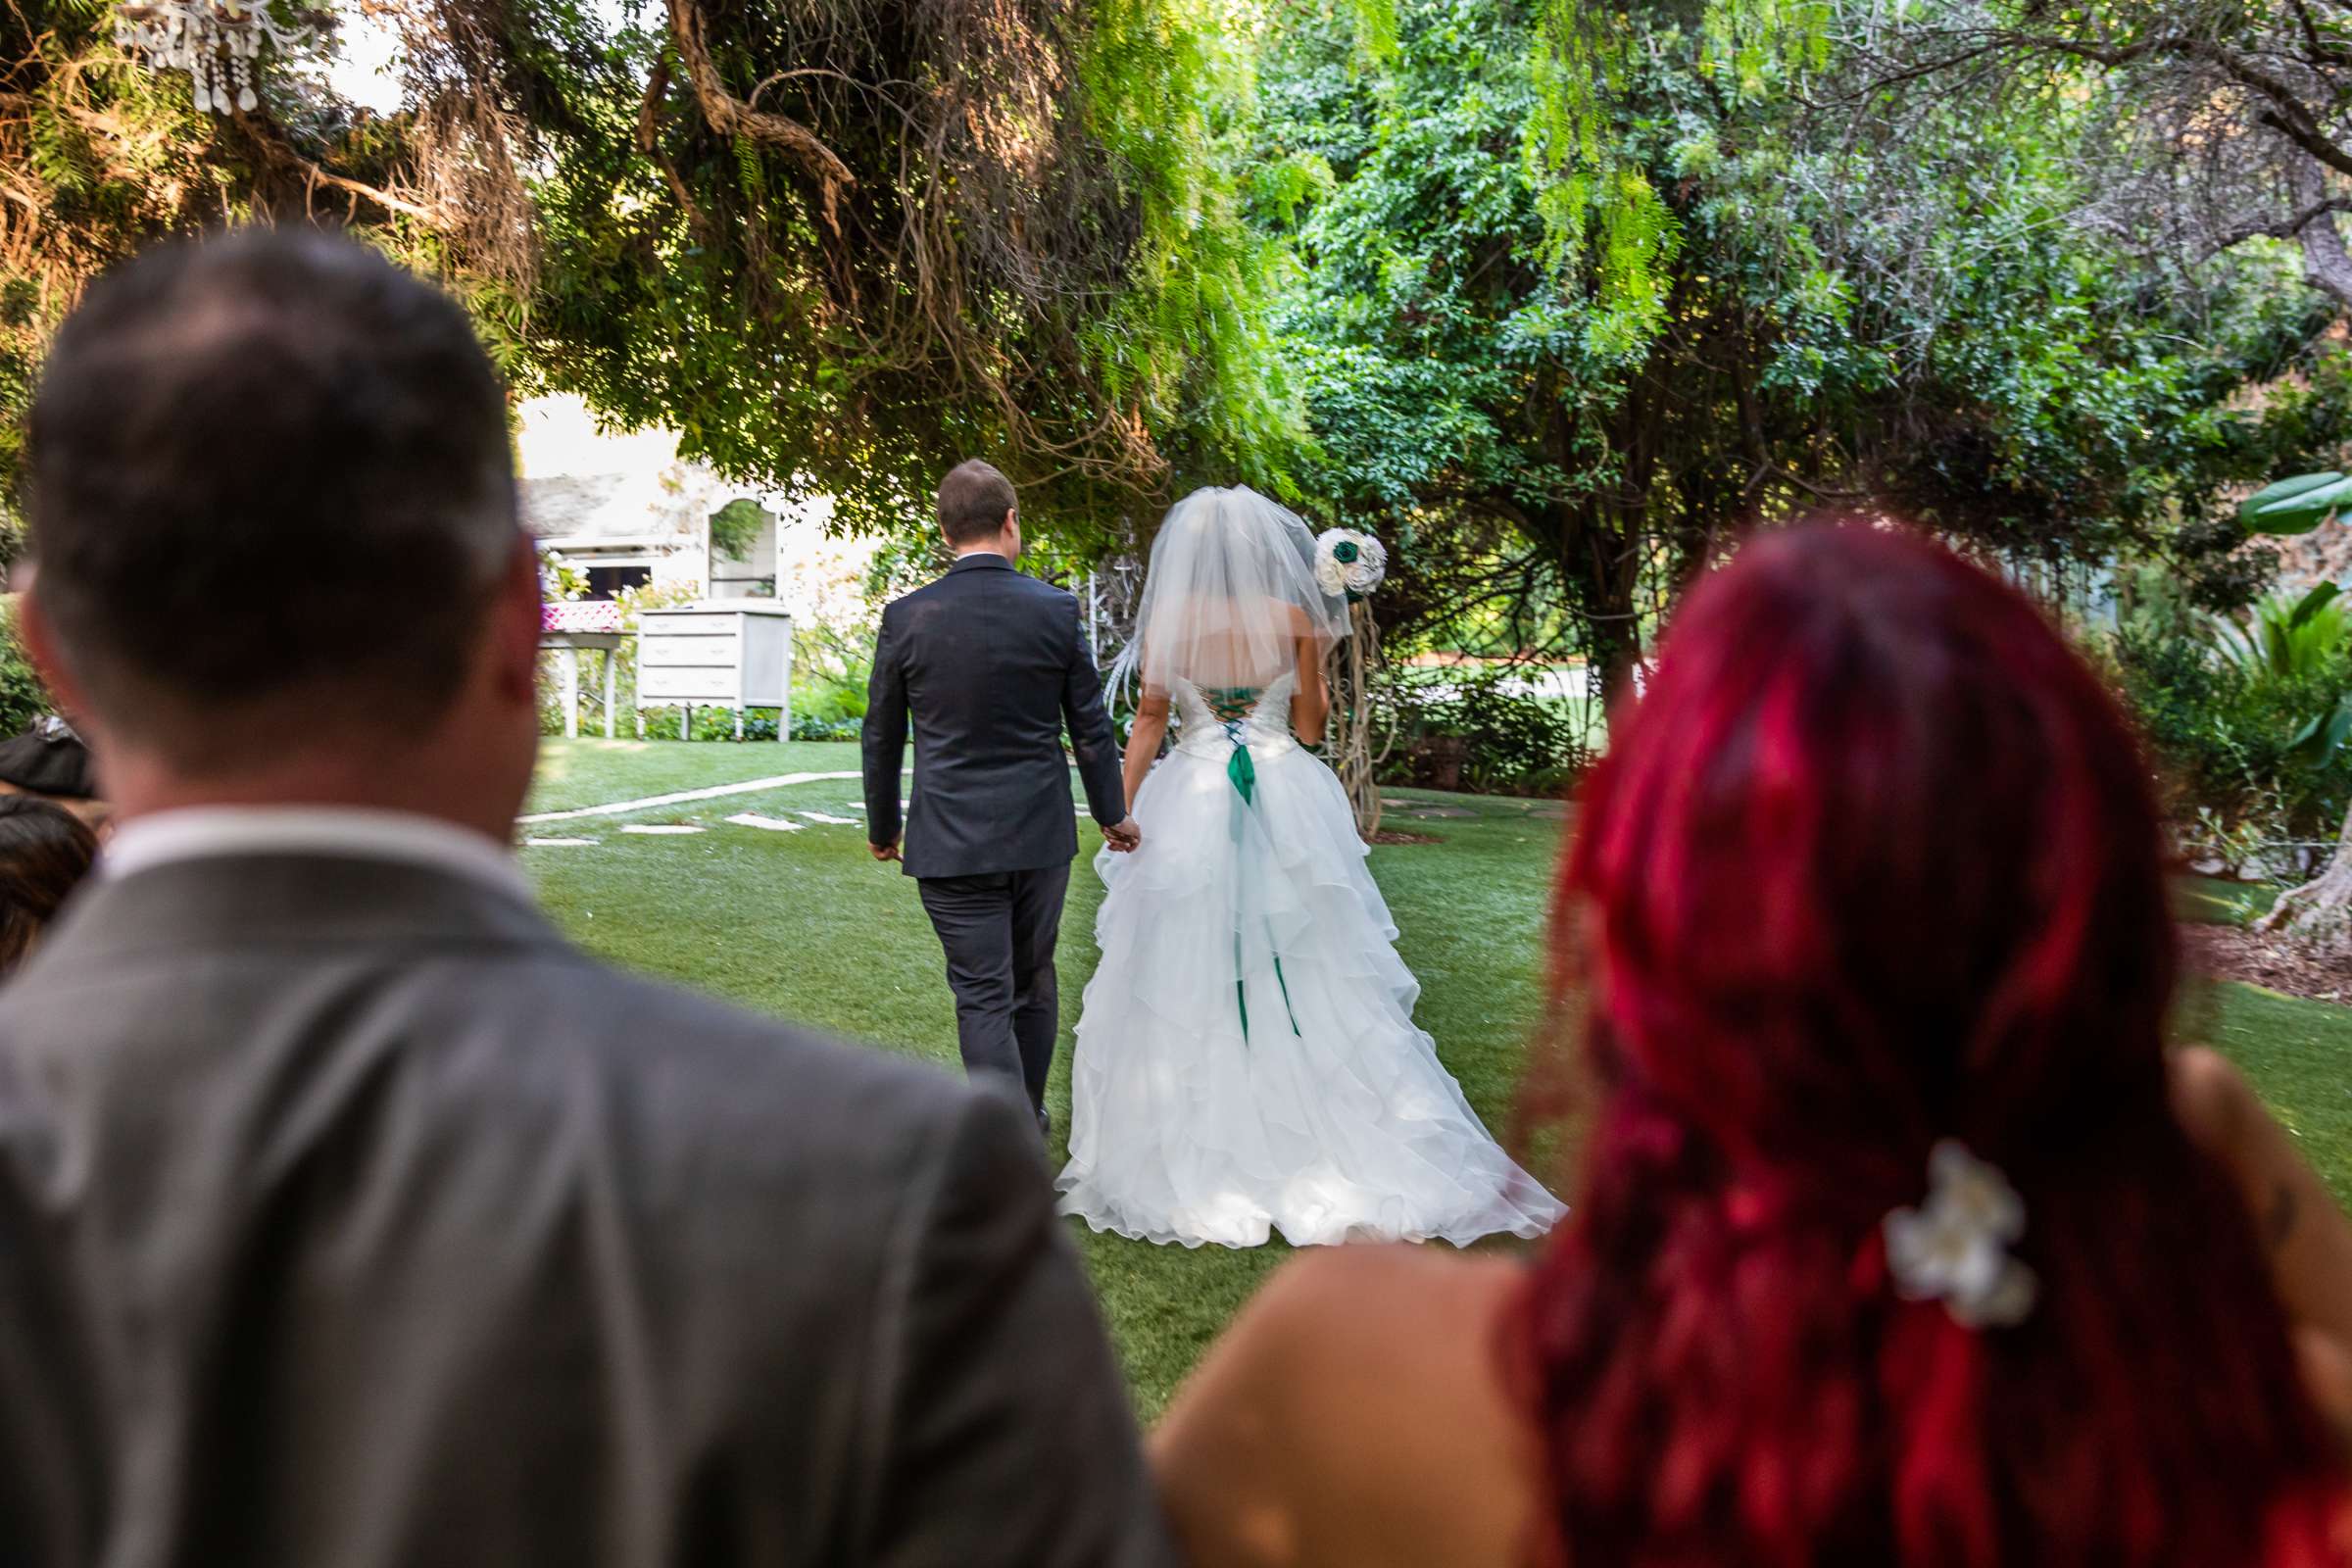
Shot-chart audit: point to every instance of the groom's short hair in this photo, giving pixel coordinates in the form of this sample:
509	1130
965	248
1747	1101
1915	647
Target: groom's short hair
270	490
972	502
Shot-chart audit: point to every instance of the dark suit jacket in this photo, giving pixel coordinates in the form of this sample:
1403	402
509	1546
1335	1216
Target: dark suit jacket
350	1218
992	664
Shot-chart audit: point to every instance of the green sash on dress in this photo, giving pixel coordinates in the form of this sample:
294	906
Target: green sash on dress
1232	706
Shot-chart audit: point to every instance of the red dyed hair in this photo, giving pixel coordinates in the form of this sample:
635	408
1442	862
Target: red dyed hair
1873	863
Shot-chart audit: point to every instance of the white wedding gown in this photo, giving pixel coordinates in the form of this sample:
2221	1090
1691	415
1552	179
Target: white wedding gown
1246	1058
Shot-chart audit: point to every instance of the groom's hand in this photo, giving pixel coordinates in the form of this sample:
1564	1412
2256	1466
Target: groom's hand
1126	838
885	851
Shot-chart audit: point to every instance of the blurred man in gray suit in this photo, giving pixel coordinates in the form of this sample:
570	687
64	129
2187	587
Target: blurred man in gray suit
348	1216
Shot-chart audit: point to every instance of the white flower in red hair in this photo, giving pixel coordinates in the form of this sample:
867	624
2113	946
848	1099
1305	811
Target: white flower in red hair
1955	1247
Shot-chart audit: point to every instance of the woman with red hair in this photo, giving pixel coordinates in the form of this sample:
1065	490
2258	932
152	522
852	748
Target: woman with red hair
1902	1240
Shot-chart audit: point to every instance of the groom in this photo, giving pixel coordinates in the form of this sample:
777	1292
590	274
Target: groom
991	665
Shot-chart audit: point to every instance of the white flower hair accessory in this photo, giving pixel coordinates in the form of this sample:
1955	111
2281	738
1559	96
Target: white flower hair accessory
1955	1247
1350	562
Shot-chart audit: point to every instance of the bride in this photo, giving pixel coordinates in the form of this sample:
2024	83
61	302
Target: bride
1246	1058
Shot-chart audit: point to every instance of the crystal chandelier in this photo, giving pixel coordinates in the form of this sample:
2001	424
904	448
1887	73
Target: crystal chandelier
214	41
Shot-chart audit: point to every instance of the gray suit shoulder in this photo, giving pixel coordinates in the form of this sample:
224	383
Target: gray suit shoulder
722	1067
725	1123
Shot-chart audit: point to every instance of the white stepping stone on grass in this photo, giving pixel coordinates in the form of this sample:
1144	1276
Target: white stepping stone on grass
837	822
751	786
773	824
664	828
557	843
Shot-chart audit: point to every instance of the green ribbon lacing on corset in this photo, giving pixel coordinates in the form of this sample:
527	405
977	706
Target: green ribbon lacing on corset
1242	772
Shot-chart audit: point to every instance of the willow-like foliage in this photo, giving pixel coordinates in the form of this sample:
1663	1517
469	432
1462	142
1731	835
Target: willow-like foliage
837	244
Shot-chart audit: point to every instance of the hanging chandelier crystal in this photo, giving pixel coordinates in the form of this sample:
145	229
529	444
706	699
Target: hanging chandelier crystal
214	41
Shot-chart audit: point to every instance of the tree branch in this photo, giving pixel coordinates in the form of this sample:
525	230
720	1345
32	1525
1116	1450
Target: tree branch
730	115
275	147
649	143
2310	140
2321	48
2291	226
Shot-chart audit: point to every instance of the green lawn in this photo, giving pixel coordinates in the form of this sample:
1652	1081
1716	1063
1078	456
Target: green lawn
577	773
2215	901
805	925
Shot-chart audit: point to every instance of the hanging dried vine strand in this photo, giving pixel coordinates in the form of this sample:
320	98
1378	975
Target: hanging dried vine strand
1354	743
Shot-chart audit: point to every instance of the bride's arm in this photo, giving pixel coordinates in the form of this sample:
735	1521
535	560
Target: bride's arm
1143	740
1310	707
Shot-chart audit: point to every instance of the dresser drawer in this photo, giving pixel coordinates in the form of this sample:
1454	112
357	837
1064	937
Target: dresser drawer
656	649
691	684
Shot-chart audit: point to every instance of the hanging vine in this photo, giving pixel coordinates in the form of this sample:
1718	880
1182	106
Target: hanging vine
1357	740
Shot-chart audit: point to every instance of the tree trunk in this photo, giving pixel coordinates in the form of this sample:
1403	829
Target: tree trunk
2327	264
2321	910
1351	748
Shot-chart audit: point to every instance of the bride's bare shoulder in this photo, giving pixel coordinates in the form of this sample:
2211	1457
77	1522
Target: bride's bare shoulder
1360	1411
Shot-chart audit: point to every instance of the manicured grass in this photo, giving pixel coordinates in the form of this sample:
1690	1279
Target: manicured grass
2299	1054
808	926
590	773
2211	900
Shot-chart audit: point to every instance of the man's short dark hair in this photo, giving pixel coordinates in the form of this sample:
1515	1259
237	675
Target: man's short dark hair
973	500
268	476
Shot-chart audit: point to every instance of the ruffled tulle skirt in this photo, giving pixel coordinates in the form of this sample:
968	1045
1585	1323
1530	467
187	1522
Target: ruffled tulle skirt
1246	1058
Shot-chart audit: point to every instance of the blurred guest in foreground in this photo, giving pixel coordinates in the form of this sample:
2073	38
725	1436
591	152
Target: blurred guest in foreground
50	762
348	1216
1901	1240
45	850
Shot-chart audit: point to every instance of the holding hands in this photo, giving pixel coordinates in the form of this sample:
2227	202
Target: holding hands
1125	839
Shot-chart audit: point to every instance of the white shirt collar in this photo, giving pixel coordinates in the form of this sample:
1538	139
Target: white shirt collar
342	831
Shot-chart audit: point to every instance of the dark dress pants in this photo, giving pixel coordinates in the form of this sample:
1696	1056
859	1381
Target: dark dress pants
999	932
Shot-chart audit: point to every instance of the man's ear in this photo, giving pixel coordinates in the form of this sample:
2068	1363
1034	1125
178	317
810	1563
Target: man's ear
514	625
41	645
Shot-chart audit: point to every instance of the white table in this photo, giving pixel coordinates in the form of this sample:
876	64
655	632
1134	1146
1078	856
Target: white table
569	644
719	653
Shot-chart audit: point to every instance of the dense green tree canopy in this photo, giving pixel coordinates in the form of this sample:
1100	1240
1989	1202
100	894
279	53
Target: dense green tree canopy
1845	295
2221	122
1558	295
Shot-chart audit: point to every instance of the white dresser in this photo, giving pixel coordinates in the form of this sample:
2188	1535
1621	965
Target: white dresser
719	653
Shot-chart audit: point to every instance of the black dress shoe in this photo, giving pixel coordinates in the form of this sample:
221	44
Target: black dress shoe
1045	1125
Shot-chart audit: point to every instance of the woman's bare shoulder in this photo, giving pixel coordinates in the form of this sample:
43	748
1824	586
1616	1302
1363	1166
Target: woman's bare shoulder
1360	1410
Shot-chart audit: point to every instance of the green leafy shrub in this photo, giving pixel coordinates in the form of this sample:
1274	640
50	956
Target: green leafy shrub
2287	635
1479	729
829	671
23	697
811	727
2237	729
